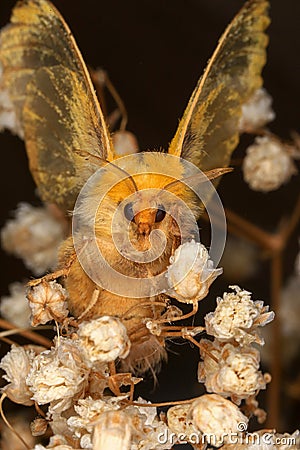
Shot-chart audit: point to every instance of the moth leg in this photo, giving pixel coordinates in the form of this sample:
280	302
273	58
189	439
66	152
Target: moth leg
186	333
175	319
123	379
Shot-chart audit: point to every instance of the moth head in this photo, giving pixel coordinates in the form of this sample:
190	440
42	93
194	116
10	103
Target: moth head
145	220
148	219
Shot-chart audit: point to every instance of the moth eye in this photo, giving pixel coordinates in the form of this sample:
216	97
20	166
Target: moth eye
128	211
160	213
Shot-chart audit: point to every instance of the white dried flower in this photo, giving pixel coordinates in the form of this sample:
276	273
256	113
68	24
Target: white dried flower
103	339
89	412
267	165
230	371
58	375
58	424
15	308
257	112
34	235
57	442
149	412
8	117
179	422
215	417
113	430
48	302
86	441
125	143
148	431
191	272
17	364
237	317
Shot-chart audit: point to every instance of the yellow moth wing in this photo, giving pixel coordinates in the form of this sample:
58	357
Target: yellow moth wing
209	129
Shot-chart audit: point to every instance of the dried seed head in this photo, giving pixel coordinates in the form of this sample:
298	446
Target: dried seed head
112	431
230	371
17	364
257	112
237	317
56	443
8	117
38	427
215	417
15	308
48	302
191	273
103	339
34	236
267	165
58	375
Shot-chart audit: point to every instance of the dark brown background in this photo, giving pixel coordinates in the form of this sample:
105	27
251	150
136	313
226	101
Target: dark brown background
154	52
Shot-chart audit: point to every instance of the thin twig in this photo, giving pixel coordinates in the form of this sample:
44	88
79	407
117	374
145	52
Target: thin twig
31	335
177	402
290	224
3	397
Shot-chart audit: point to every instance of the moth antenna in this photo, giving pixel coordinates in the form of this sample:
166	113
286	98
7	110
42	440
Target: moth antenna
209	174
98	159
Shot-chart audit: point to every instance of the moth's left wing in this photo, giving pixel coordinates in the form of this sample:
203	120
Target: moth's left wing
209	130
48	89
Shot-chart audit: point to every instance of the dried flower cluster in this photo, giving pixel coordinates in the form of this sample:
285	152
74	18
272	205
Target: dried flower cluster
237	318
191	273
257	112
72	377
267	165
269	161
14	307
47	302
8	117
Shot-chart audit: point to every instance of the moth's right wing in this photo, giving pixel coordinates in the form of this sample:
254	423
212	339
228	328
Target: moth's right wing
47	86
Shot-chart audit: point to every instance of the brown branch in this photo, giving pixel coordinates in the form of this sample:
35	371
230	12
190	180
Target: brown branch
31	335
276	365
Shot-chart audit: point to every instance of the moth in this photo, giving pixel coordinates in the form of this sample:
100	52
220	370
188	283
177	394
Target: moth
57	113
